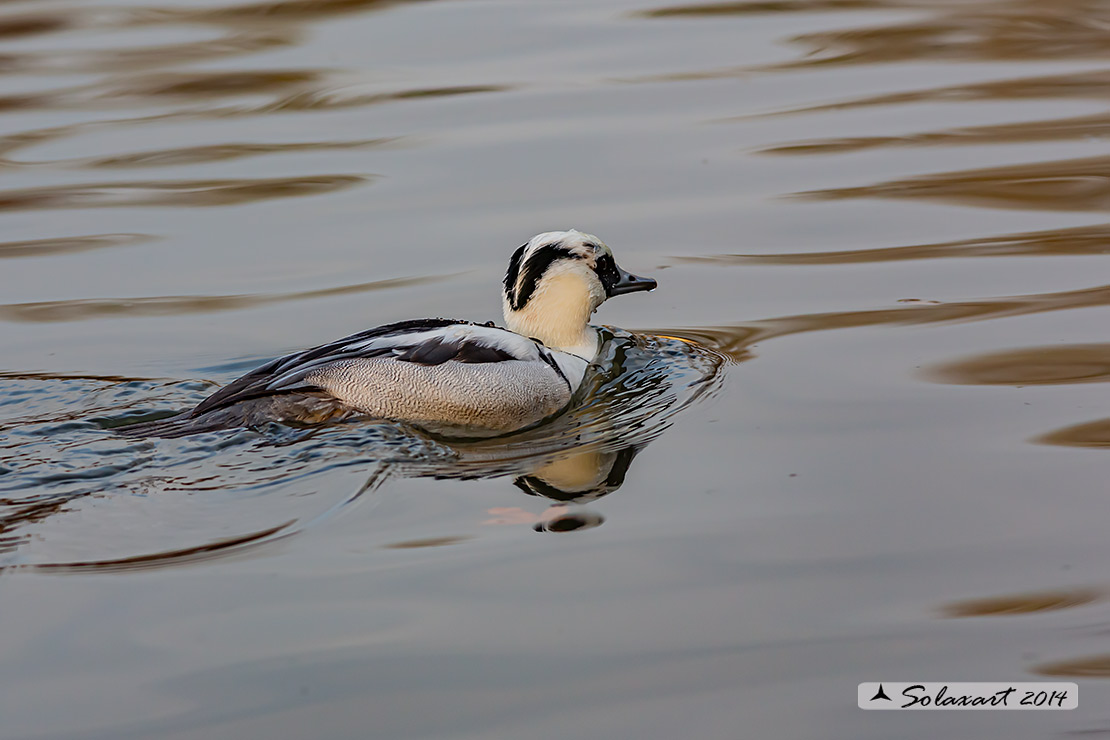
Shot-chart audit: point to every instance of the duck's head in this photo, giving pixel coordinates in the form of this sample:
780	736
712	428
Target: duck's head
554	284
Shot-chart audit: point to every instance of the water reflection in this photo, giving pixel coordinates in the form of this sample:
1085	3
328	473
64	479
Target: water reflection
1092	434
296	11
1051	365
1025	603
30	25
152	84
82	310
335	97
1063	185
1086	85
1080	240
1005	31
181	193
169	156
203	85
1038	603
147	561
734	340
1094	666
759	7
234	42
1076	363
69	244
248	27
577	480
938	30
280	90
580	477
569	481
225	152
1056	129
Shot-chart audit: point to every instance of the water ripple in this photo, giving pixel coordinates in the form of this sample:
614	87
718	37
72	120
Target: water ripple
1080	240
69	244
1085	85
82	310
735	340
950	31
175	193
1024	603
1056	129
1061	185
224	152
1090	434
1053	365
61	463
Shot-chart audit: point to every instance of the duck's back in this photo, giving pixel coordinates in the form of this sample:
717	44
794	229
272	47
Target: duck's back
444	375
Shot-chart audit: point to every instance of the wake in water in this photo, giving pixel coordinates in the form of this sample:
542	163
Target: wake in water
95	500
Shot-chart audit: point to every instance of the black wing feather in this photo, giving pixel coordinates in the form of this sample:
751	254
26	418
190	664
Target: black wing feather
478	353
253	384
439	350
400	327
238	386
433	352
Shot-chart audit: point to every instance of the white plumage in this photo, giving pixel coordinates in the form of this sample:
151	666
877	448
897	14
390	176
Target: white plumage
444	375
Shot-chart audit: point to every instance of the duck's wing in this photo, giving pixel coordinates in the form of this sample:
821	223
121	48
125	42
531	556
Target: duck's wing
422	341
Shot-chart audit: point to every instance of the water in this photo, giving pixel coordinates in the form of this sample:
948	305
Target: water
881	221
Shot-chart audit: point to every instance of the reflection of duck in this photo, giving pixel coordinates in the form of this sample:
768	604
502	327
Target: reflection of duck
577	479
581	477
443	375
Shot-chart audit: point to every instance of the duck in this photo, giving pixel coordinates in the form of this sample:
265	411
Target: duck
452	377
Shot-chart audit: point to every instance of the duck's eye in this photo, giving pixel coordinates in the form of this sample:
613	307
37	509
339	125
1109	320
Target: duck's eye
606	269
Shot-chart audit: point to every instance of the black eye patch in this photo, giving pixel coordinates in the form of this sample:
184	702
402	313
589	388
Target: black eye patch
607	272
514	270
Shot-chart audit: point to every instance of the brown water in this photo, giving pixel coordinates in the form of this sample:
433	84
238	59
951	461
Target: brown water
718	542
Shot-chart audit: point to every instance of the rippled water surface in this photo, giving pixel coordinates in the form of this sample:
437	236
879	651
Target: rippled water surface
859	433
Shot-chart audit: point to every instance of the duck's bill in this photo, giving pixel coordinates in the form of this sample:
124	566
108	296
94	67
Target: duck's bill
630	283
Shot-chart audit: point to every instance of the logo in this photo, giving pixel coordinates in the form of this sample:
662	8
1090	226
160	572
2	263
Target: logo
965	695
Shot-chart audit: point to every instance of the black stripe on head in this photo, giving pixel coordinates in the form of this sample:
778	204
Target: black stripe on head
514	271
533	269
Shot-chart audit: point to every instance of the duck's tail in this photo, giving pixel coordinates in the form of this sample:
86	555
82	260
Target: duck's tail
295	408
181	425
